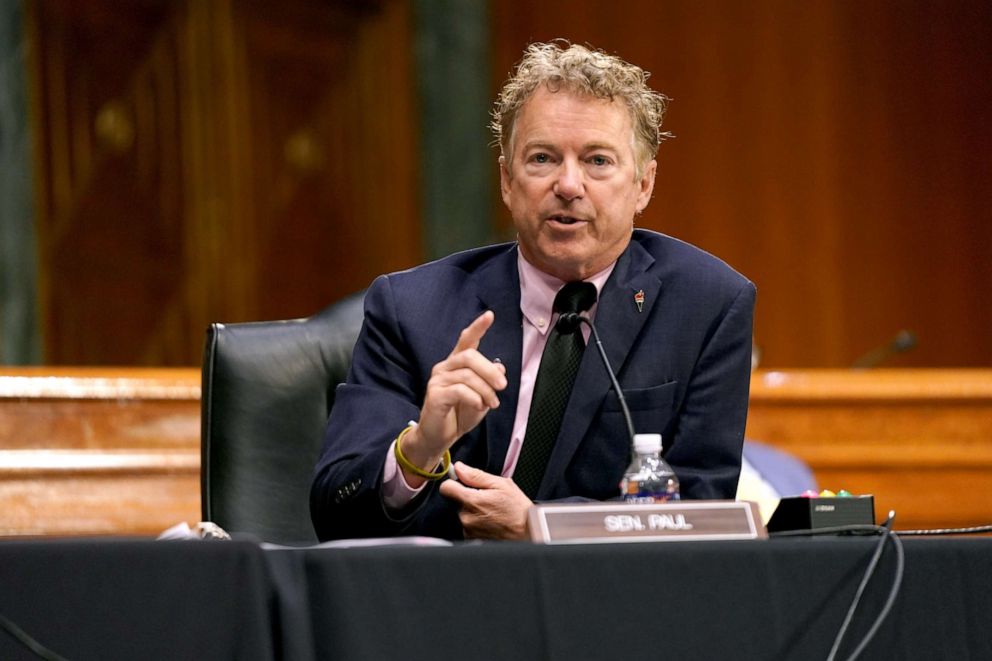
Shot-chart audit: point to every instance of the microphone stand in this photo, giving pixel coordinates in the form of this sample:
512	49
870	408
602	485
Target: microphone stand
575	317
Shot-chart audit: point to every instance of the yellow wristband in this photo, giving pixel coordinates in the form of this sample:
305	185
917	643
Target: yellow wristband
416	470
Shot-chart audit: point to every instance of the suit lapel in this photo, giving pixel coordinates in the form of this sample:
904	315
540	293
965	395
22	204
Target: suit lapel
498	289
619	323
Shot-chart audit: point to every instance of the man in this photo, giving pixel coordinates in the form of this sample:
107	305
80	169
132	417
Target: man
445	367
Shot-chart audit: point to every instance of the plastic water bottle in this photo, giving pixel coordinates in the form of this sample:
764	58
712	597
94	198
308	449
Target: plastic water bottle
649	478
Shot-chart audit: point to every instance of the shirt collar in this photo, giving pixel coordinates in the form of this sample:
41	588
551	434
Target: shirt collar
538	291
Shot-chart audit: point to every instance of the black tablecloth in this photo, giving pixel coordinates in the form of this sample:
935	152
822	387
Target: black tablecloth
117	599
771	599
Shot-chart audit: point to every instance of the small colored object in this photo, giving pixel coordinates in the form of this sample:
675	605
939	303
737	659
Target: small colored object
827	493
844	493
809	493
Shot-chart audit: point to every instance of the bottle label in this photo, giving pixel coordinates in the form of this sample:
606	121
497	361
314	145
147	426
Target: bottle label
640	493
646	498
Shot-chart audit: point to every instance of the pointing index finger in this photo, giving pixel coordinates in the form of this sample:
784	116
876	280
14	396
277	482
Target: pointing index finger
472	335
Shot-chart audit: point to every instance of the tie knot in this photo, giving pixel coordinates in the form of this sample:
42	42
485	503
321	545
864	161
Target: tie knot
573	297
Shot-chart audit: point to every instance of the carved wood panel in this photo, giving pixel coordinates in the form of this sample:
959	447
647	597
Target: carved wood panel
110	204
214	161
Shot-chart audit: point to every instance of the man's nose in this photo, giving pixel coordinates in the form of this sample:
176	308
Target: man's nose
569	184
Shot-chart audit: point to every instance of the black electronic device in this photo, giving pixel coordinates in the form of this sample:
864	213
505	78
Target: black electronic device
804	513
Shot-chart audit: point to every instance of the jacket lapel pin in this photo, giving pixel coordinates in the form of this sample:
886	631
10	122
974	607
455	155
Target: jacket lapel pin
639	299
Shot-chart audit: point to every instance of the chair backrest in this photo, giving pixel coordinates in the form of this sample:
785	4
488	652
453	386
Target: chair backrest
268	388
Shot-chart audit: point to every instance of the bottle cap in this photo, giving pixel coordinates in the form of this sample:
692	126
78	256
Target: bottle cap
644	443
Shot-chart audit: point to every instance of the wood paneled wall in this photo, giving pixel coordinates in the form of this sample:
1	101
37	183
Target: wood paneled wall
836	152
214	161
240	159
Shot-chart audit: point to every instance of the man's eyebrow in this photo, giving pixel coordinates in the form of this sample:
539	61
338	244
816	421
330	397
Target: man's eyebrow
595	146
590	146
539	145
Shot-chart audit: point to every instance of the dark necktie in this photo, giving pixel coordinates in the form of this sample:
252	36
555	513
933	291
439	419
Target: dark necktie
553	386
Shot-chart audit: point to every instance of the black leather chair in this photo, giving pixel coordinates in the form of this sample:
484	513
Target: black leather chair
268	388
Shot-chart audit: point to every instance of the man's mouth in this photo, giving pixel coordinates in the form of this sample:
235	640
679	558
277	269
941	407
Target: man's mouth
564	220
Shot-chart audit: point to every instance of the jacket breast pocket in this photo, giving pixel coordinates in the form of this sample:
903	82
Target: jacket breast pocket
651	409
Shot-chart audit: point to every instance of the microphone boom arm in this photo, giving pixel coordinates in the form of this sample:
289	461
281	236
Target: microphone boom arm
613	379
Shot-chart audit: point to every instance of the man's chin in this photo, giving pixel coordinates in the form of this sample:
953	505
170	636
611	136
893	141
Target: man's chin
576	260
565	265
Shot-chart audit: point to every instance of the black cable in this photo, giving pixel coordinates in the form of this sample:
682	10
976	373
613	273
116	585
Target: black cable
890	600
887	535
885	530
853	529
613	379
973	530
24	638
872	564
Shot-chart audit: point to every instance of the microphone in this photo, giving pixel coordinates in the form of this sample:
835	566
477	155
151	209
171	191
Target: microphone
903	341
569	322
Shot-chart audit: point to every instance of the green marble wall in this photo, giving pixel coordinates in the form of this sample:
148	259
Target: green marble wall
20	339
458	168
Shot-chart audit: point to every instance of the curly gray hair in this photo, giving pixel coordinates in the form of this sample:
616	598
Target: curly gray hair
579	70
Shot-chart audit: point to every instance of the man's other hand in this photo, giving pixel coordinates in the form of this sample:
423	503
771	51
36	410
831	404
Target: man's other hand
492	507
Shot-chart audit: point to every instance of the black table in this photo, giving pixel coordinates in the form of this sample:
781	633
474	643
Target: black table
774	599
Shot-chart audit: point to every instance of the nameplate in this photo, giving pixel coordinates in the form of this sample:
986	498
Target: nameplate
601	523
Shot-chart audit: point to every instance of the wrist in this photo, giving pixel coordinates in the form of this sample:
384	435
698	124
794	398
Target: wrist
417	463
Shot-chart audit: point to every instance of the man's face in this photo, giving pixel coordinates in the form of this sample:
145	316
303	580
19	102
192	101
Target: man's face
571	187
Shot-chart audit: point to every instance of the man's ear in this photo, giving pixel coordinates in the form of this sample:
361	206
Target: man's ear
504	181
647	185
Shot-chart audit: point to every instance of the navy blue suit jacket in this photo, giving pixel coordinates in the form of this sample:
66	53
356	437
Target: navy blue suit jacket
683	362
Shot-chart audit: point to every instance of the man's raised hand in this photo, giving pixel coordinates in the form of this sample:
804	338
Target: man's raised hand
461	391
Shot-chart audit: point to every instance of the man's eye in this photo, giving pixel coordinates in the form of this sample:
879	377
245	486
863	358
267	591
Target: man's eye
599	160
540	158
